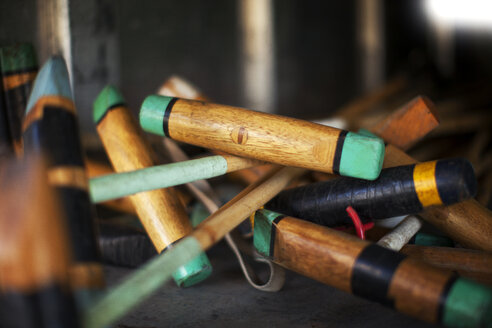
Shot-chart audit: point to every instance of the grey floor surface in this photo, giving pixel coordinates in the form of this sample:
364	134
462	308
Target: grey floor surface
226	300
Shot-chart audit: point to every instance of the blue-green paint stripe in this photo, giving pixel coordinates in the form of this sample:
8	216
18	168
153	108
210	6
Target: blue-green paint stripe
114	186
141	284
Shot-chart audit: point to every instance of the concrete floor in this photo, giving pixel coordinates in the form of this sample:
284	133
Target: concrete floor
226	300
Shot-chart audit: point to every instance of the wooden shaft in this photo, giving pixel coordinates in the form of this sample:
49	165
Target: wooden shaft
409	124
145	281
467	222
50	127
266	137
163	176
19	67
473	264
35	255
160	211
371	271
176	86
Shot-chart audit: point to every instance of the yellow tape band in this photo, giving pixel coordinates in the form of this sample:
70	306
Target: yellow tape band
424	178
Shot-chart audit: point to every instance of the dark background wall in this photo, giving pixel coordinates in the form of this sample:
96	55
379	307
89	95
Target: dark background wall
137	45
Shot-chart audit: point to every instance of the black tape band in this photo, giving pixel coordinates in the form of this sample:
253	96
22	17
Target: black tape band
338	152
110	109
373	271
167	113
444	296
273	231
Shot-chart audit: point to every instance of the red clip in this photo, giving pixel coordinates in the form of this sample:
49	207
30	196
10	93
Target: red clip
359	227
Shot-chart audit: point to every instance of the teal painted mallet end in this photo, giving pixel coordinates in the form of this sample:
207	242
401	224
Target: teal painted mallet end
152	113
468	304
52	80
362	156
262	231
193	272
109	97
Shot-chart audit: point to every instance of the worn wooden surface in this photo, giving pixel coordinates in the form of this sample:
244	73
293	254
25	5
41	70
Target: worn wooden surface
254	134
473	264
409	124
160	211
330	256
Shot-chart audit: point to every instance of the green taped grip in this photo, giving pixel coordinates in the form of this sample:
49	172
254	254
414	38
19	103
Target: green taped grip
152	113
18	57
468	304
193	272
362	156
107	98
262	232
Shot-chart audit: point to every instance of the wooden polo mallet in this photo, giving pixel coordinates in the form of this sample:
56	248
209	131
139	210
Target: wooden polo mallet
266	137
19	67
160	211
50	127
35	253
146	280
371	271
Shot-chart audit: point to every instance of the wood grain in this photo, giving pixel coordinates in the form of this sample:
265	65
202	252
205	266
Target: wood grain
160	211
244	204
409	124
329	256
416	289
242	132
325	255
473	264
